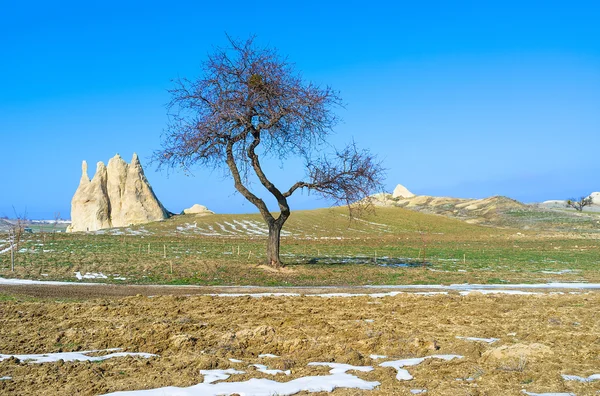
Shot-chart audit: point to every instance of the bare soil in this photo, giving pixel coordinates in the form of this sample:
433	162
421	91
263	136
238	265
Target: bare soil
546	335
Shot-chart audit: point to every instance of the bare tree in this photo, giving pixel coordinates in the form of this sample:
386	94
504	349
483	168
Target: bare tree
250	104
579	204
16	235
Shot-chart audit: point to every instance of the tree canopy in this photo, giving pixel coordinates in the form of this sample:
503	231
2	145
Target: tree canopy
250	103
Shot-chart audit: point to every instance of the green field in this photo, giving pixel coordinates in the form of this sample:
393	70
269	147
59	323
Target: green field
320	247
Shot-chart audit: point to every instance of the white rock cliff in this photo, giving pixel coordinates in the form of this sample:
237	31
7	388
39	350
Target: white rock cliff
117	196
198	210
402	192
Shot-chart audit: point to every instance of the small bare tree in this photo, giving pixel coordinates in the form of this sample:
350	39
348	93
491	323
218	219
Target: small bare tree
579	204
16	234
250	104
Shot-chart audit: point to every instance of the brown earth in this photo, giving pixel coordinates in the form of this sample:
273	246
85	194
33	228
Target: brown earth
202	332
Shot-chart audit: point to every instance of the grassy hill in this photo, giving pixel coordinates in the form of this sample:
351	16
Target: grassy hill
329	223
320	247
499	211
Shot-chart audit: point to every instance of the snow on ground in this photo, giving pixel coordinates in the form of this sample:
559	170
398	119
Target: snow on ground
375	357
236	360
418	391
5	378
51	221
96	275
403	374
337	378
547	394
591	378
74	356
477	339
464	289
4	281
90	275
264	369
559	272
267	355
226	228
211	376
477	287
382	227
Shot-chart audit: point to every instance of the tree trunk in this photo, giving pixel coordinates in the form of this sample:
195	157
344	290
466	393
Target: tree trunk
273	244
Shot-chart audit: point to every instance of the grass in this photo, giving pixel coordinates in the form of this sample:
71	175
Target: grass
322	247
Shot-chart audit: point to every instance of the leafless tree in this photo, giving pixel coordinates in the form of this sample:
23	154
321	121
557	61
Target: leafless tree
579	204
250	104
16	235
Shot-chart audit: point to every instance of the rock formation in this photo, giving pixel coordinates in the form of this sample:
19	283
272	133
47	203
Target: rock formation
595	198
402	192
198	210
381	199
117	196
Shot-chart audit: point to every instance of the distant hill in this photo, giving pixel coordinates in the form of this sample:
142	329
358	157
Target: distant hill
473	211
497	211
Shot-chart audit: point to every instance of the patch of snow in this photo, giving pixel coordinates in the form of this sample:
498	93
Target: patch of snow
547	394
513	292
264	369
252	227
477	339
5	378
430	293
232	360
375	357
211	376
560	272
591	378
369	320
403	374
337	378
366	222
90	275
418	391
4	281
74	356
52	221
477	287
267	355
222	227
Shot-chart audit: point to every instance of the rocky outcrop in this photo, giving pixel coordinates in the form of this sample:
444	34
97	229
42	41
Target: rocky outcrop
117	196
402	192
595	198
198	210
90	208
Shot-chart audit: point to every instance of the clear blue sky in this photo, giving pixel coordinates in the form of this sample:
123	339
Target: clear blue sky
466	99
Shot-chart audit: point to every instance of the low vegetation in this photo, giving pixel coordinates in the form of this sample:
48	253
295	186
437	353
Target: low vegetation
319	247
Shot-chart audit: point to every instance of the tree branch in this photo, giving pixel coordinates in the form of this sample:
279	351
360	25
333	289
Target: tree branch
259	203
281	199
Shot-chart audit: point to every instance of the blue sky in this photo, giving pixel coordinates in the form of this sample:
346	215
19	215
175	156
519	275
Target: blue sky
466	99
